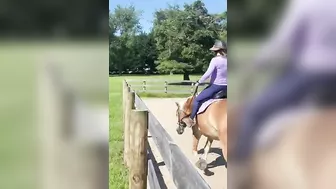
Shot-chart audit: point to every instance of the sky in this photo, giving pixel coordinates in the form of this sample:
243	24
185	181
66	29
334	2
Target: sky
148	7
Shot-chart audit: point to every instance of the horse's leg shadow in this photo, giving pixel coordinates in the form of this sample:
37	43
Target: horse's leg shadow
200	151
219	161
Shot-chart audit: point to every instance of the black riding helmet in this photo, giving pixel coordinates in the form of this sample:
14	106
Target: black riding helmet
219	45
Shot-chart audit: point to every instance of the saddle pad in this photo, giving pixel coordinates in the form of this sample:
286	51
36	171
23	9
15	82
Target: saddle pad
206	104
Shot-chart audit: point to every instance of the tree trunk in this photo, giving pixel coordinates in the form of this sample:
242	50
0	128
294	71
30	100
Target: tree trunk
120	69
186	76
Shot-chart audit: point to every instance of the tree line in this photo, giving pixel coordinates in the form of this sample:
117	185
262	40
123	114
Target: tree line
179	41
54	18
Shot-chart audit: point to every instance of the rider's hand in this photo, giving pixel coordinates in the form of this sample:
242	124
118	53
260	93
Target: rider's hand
196	84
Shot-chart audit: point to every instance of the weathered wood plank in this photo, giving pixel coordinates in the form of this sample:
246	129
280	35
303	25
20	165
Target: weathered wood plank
162	91
159	85
138	150
157	80
129	105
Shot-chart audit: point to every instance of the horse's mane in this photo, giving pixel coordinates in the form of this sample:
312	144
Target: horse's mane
187	106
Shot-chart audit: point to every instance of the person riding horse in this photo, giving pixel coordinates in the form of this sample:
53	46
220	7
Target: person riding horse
309	36
217	70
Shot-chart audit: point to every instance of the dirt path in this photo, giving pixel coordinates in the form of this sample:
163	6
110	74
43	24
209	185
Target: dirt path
164	111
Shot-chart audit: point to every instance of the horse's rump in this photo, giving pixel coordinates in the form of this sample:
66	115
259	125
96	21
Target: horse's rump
214	116
276	126
300	155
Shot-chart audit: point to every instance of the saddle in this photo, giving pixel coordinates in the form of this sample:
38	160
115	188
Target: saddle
220	95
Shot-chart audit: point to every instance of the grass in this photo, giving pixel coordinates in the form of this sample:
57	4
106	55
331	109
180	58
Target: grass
118	173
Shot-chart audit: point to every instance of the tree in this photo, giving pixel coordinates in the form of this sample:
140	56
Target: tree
124	25
172	66
179	42
53	18
247	20
222	22
144	52
184	36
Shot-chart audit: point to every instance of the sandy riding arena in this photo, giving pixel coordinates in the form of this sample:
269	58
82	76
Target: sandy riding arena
164	110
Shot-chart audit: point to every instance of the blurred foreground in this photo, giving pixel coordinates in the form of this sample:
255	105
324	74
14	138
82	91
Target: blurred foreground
296	147
54	110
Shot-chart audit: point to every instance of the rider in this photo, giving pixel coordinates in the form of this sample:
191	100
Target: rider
308	32
218	71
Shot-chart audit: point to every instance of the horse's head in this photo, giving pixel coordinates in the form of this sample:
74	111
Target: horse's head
182	112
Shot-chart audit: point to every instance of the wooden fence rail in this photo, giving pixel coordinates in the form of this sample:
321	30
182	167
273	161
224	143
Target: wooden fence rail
162	86
181	170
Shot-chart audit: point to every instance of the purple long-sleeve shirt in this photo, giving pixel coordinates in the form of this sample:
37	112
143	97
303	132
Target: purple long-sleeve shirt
308	33
217	70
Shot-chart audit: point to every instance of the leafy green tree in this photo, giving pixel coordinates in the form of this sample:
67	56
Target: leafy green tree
71	18
252	18
185	36
144	52
179	42
172	66
124	25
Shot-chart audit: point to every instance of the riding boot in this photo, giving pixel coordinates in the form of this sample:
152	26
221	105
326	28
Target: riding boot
189	122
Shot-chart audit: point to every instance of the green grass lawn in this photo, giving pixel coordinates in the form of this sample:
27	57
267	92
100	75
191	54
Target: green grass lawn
118	174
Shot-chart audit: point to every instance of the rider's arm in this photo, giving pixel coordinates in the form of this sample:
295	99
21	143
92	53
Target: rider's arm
209	71
285	36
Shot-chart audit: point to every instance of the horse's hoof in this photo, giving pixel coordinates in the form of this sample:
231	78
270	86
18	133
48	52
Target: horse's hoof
201	164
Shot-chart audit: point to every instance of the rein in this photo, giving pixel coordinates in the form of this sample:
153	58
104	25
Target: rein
180	120
195	91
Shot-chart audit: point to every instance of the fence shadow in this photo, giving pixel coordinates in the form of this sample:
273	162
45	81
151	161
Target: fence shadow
156	165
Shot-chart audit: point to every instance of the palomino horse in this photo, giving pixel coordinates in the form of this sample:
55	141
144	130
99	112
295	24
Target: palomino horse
295	150
301	156
212	123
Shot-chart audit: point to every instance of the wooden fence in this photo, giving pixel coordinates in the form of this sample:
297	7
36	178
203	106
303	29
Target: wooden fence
69	147
162	86
138	120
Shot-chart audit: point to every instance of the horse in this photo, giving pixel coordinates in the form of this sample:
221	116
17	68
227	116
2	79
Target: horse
212	123
294	150
300	156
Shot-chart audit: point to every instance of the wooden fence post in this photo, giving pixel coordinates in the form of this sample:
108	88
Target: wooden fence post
138	147
166	87
192	88
129	105
143	85
125	91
